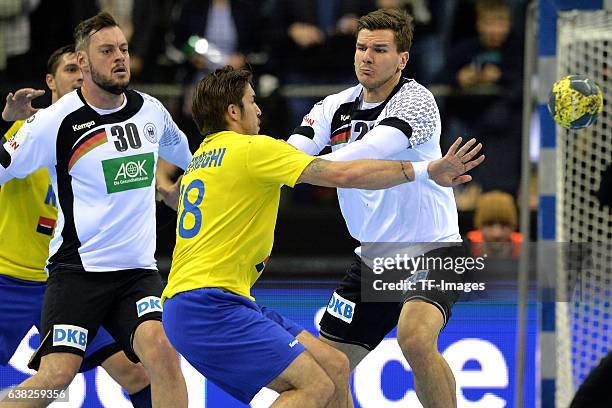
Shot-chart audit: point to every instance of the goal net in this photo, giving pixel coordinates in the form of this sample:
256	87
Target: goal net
583	322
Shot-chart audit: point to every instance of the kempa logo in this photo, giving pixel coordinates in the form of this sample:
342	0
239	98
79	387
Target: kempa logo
83	125
128	173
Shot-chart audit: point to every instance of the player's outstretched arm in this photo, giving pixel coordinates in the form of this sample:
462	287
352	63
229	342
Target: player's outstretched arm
378	174
19	105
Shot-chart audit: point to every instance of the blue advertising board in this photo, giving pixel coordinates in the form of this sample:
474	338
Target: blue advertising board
478	344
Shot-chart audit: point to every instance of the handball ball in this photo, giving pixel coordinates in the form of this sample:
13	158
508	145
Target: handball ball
575	102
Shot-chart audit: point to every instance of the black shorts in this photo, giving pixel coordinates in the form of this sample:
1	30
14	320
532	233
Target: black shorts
350	319
77	303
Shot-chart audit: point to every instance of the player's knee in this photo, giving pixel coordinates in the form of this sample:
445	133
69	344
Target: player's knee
132	377
152	346
322	390
338	366
417	342
58	376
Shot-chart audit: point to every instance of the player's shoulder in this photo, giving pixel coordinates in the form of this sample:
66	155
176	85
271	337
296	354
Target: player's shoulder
268	143
347	95
412	98
148	99
411	88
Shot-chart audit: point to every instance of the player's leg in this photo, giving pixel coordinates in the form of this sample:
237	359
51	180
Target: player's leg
103	351
417	334
303	383
424	314
334	363
353	352
20	302
354	327
152	347
230	341
135	322
67	322
131	376
56	372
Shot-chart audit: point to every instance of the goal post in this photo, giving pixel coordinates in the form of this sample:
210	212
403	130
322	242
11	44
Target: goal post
575	38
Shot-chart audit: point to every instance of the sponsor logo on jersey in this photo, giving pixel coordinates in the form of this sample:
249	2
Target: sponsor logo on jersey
149	304
293	343
345	118
309	120
129	173
341	308
31	119
85	125
71	336
15	141
150	132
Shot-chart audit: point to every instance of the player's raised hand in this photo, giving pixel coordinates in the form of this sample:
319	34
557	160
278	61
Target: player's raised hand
19	105
449	170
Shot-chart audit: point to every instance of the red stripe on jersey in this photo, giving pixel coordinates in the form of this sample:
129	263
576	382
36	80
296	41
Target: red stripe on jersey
341	137
95	141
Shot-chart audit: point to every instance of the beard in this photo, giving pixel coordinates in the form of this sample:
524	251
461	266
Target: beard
114	87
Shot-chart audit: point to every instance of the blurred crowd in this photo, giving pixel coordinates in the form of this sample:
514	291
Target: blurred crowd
469	52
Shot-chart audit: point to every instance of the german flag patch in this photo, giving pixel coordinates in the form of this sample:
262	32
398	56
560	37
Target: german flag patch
45	225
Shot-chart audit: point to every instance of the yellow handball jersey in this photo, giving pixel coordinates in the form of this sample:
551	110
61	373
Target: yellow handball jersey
227	211
28	213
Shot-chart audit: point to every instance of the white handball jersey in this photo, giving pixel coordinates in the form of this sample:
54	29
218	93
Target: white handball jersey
102	167
406	126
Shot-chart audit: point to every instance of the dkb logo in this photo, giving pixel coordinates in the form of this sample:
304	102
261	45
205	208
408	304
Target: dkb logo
149	304
341	308
71	336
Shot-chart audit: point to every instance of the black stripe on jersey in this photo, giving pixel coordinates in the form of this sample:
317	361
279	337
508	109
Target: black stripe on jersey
342	116
304	131
132	106
343	129
398	124
68	253
5	157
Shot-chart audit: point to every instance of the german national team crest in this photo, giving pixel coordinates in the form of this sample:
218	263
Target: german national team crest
150	132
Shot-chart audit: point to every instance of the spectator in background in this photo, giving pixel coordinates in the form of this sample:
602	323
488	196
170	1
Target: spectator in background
430	29
147	46
228	30
495	220
54	22
15	39
314	41
493	59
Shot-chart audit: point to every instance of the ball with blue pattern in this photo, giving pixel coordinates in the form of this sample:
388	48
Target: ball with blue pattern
575	102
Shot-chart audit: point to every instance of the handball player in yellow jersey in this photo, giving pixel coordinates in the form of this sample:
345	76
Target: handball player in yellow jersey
27	220
228	204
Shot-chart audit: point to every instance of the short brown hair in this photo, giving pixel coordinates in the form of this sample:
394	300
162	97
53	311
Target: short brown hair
89	27
56	57
488	6
214	93
496	207
390	19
